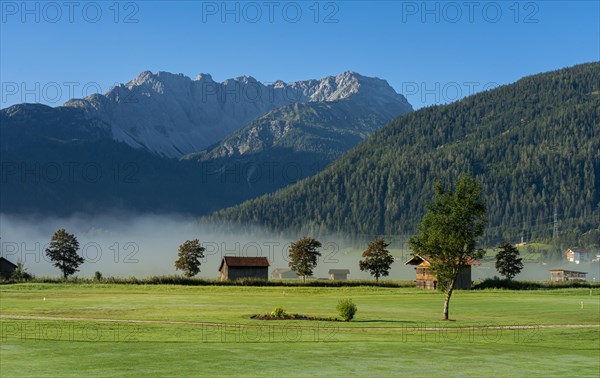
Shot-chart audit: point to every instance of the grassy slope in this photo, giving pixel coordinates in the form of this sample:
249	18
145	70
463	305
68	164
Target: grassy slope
386	344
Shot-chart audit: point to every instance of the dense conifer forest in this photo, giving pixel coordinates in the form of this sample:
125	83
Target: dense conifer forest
533	145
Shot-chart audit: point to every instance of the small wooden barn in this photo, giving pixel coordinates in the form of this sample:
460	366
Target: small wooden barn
283	274
338	274
561	275
235	268
7	268
427	280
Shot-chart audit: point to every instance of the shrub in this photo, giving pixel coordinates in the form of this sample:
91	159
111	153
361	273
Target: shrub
346	309
498	283
98	276
279	312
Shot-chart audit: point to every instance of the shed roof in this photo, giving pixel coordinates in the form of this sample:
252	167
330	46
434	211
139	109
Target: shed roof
339	271
418	259
235	261
8	261
578	250
566	270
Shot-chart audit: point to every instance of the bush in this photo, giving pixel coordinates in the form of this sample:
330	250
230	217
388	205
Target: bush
98	276
499	283
346	309
279	312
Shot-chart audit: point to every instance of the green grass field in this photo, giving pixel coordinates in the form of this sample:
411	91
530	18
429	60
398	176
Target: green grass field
160	330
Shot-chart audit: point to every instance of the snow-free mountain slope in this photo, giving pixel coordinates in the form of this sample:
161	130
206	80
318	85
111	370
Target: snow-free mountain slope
173	115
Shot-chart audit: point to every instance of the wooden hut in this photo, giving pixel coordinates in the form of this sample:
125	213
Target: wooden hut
235	268
283	274
427	280
7	268
338	274
561	275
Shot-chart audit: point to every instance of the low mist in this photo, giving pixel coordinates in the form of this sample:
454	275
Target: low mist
123	245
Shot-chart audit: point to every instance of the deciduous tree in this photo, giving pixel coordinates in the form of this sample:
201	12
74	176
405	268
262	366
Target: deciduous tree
377	259
303	256
63	252
190	253
508	261
448	231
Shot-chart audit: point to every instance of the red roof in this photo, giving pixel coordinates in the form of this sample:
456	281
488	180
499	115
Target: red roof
235	261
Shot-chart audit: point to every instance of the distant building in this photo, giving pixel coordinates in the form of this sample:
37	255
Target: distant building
560	275
338	274
283	274
6	268
427	280
234	268
577	255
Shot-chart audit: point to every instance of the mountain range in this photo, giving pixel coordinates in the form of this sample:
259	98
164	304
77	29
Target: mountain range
322	163
167	143
173	115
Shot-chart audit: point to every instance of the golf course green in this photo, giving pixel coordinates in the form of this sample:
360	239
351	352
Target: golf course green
168	330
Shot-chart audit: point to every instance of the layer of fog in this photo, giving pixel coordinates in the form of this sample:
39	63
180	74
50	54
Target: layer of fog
142	246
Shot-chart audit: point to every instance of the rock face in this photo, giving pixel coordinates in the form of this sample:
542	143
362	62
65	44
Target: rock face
172	115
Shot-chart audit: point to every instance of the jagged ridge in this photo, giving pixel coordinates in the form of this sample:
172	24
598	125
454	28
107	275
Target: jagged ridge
173	115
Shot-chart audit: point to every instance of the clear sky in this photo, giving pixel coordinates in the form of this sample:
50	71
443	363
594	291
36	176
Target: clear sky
433	52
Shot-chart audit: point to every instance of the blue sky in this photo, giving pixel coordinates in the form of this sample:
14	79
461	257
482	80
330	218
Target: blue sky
433	52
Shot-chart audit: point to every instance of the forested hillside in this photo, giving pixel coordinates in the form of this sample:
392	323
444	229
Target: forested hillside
533	145
296	141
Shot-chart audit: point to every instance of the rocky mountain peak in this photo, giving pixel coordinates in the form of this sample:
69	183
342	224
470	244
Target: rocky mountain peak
173	115
204	77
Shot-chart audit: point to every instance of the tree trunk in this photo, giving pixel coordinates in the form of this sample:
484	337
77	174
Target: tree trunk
377	278
304	279
447	300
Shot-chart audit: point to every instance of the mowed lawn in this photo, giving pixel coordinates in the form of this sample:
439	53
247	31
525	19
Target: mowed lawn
160	330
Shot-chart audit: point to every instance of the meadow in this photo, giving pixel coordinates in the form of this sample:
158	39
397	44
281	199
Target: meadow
158	330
